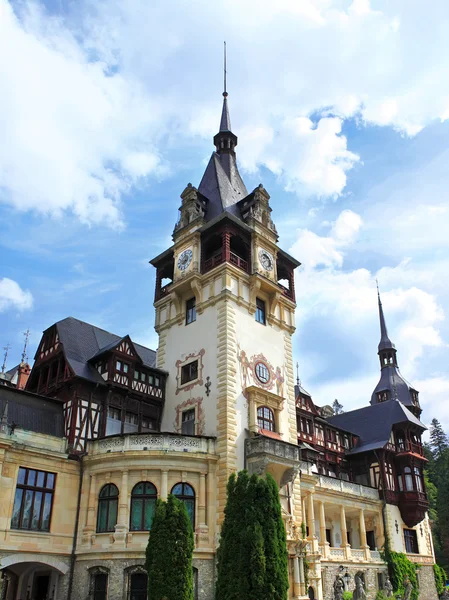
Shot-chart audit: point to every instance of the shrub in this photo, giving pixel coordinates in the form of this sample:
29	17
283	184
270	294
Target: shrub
347	595
440	578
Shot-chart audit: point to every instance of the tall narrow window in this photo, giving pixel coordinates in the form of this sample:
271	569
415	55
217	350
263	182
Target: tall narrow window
107	508
188	422
411	541
408	479
260	311
418	479
138	586
99	586
143	505
189	372
33	501
186	493
190	310
265	418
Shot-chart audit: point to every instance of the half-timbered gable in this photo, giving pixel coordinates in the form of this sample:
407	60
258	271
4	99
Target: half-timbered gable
108	384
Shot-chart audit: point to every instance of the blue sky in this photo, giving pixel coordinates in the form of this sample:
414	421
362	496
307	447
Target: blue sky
341	110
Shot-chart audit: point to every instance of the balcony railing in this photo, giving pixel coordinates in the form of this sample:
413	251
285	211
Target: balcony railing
153	441
347	487
286	291
405	446
219	258
275	448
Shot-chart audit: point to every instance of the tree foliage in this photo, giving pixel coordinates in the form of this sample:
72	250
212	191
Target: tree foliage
440	578
252	556
169	552
337	407
438	439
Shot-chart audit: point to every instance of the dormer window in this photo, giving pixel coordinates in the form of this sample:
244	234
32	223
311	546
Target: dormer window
122	366
383	396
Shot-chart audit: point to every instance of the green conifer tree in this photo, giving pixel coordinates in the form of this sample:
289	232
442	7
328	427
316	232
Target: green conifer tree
252	557
169	552
438	439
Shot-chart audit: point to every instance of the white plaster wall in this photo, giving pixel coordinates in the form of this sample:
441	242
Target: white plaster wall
251	337
181	341
396	538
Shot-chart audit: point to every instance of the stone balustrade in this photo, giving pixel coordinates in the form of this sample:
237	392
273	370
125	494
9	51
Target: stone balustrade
277	448
165	442
347	487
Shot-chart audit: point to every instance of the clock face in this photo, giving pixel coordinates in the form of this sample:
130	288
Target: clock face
266	260
184	260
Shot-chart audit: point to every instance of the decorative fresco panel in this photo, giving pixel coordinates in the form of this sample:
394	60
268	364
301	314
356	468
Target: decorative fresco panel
257	370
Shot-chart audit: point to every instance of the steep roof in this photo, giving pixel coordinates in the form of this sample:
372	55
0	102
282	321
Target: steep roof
83	342
373	424
221	183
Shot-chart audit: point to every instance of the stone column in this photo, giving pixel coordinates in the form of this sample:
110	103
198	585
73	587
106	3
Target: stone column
202	529
311	522
363	542
303	509
122	527
164	484
296	578
202	501
324	542
344	533
89	527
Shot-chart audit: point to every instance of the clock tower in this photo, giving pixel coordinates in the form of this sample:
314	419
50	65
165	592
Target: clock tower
225	314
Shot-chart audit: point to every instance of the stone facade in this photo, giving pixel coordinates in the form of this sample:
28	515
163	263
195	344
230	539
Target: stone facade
426	580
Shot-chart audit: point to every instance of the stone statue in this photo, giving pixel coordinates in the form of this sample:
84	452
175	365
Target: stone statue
407	589
339	588
359	591
388	587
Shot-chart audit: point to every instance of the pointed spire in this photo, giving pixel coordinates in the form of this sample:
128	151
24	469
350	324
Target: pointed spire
24	353
6	349
385	342
225	123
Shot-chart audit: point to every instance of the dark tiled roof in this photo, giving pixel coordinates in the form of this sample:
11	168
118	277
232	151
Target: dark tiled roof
32	412
82	342
222	186
392	381
373	424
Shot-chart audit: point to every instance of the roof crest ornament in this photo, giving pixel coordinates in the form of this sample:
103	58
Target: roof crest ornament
225	93
6	349
24	353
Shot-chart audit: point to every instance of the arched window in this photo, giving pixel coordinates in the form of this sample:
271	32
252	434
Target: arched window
265	418
186	493
107	508
138	586
418	479
408	479
143	505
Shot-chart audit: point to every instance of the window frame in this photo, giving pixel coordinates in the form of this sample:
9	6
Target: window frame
139	573
261	312
189	421
184	497
108	501
270	420
411	541
187	368
146	499
190	310
33	489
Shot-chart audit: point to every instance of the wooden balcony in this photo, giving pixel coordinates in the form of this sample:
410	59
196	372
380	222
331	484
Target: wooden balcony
219	258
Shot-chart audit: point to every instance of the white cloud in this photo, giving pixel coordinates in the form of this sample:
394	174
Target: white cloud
12	296
93	102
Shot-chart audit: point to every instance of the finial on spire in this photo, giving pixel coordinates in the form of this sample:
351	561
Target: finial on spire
298	381
225	93
24	353
6	349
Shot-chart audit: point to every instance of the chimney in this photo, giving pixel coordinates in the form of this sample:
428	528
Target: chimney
23	374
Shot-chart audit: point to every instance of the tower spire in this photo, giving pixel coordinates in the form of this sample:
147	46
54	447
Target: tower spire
385	342
225	122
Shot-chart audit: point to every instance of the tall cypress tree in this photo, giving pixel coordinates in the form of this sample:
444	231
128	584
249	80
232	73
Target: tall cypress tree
252	557
438	439
169	552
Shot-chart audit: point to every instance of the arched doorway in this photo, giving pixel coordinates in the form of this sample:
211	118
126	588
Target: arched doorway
311	593
30	576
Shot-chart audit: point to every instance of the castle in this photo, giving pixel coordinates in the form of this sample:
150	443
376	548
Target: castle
106	426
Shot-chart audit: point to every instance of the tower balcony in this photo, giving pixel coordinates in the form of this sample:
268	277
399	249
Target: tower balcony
274	456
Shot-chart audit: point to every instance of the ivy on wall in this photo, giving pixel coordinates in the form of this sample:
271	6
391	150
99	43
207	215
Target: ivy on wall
399	569
440	578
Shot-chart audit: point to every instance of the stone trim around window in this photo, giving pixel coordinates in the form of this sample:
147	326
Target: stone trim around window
181	363
191	403
258	397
